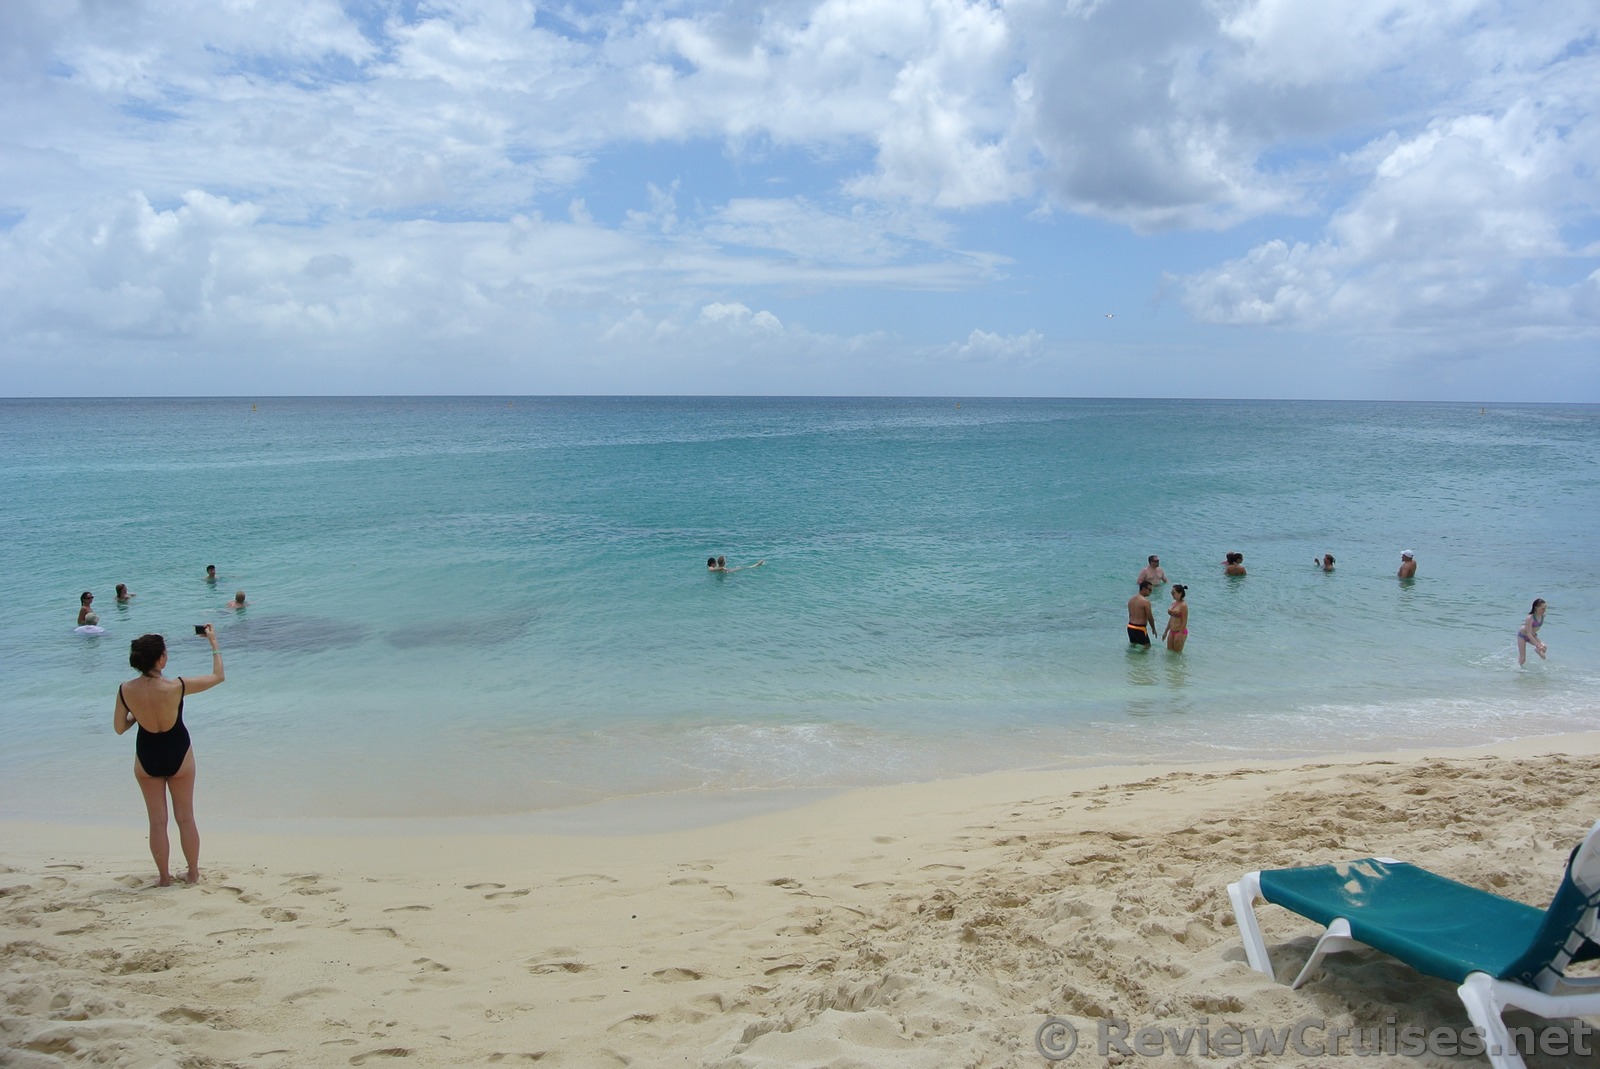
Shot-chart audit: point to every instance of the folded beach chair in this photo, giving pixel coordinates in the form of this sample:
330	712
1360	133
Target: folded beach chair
1502	953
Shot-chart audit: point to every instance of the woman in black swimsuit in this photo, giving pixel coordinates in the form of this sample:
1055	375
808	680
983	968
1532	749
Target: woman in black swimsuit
164	762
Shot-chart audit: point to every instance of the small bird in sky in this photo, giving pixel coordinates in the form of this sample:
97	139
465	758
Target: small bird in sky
1111	315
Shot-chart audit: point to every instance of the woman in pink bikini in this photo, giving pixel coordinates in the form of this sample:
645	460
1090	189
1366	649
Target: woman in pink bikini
1177	632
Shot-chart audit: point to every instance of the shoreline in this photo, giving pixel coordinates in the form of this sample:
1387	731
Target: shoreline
694	808
909	925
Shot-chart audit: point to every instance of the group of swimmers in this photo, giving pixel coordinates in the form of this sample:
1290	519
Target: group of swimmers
1142	615
89	620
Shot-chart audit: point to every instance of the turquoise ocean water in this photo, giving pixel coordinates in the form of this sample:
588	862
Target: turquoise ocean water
489	606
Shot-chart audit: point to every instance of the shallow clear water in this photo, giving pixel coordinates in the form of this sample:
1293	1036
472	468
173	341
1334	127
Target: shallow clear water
475	605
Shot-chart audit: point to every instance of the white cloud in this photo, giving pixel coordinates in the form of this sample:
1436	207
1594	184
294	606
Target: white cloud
740	319
369	179
1447	237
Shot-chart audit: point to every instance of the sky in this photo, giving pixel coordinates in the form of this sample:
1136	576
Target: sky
1387	199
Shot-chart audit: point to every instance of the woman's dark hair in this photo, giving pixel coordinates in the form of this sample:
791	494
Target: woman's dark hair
1181	590
1536	603
711	562
86	595
145	651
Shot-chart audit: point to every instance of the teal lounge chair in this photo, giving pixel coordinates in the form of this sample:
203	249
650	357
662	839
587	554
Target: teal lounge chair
1501	953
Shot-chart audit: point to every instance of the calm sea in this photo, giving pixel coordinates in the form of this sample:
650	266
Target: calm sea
492	605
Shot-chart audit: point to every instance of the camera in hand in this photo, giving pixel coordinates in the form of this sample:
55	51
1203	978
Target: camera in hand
199	629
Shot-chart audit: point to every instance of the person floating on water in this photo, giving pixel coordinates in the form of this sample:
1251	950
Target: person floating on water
163	763
1141	616
1528	635
1177	631
1152	571
720	564
1233	564
123	593
1326	563
1408	564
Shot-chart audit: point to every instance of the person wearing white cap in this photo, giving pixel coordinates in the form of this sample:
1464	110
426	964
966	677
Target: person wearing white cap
1408	564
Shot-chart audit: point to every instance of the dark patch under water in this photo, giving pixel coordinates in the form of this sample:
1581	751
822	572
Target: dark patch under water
291	634
470	631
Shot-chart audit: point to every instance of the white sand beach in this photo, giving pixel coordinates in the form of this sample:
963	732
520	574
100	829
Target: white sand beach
926	925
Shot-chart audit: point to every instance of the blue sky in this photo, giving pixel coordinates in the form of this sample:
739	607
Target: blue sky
1235	198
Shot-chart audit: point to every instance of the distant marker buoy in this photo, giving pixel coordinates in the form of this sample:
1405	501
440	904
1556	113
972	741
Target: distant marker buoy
252	408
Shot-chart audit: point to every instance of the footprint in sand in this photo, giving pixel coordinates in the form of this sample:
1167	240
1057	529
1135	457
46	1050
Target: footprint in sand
788	966
310	992
187	1014
588	877
405	909
481	886
543	967
244	896
386	1052
520	1056
676	975
507	894
274	913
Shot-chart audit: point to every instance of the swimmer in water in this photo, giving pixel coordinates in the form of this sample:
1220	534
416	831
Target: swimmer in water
85	609
211	573
1528	634
1177	631
1234	564
1408	564
123	593
237	603
1326	563
720	564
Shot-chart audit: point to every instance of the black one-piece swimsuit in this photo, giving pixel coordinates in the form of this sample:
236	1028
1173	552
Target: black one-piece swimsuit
161	753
